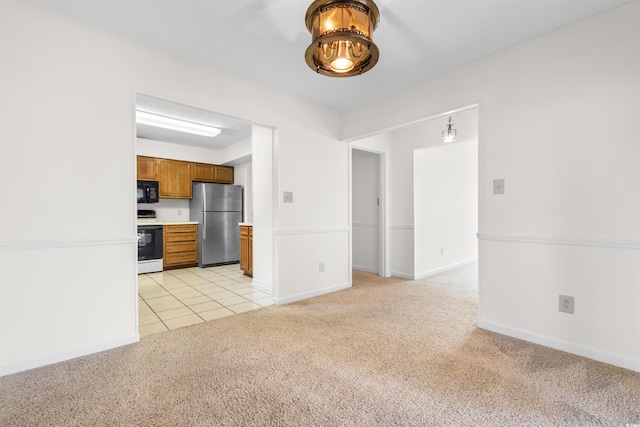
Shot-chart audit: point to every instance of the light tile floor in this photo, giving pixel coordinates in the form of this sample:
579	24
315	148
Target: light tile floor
175	298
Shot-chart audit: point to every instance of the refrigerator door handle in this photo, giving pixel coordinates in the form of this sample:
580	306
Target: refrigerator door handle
204	227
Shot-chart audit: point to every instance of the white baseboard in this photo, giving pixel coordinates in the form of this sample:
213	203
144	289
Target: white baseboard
300	297
49	359
443	269
262	286
590	353
402	275
366	269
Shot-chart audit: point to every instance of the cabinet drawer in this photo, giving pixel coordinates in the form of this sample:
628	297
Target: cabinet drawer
181	228
180	237
180	258
181	247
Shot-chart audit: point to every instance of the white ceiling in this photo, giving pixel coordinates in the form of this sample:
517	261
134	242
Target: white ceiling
233	131
265	40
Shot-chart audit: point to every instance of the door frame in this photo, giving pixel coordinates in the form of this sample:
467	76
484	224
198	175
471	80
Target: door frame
383	265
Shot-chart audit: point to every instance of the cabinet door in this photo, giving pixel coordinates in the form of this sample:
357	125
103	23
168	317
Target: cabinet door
224	174
244	249
250	251
203	172
147	168
174	179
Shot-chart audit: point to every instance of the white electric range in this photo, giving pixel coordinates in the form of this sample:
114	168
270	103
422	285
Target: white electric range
149	242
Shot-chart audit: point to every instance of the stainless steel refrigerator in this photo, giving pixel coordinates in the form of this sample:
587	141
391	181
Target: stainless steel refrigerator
218	209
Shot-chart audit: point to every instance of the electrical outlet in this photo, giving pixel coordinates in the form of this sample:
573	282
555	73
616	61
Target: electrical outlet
321	266
288	197
441	251
566	304
498	186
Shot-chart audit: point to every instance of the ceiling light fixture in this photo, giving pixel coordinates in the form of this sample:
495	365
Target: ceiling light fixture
449	135
157	120
341	34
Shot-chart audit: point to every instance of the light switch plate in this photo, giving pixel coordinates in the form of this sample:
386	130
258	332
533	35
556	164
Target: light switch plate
288	197
498	186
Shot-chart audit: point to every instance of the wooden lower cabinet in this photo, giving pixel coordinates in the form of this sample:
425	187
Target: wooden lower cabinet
246	249
180	246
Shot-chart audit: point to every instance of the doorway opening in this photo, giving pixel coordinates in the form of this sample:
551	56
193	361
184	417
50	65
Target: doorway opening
180	295
367	211
428	197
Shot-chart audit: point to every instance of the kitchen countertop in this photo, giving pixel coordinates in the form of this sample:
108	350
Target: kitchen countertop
166	222
245	224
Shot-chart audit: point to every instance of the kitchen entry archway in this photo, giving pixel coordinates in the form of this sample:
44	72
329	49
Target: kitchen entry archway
248	147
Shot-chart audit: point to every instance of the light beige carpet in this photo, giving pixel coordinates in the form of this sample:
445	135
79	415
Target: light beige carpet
386	352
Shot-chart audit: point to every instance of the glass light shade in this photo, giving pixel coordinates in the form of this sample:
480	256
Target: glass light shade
449	135
341	32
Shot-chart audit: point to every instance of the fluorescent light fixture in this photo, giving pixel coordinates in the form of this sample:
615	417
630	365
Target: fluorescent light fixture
157	120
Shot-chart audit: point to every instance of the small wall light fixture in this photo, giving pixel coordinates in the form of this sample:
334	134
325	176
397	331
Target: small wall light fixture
341	37
449	135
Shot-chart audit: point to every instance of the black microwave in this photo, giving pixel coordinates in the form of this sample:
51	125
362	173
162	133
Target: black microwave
147	191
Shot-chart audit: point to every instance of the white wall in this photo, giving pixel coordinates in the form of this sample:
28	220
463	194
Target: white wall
263	141
365	211
68	135
237	153
558	121
167	150
445	203
242	175
309	230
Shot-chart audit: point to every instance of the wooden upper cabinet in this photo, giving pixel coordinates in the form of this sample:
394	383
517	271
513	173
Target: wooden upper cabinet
175	179
147	168
223	174
203	172
212	173
175	176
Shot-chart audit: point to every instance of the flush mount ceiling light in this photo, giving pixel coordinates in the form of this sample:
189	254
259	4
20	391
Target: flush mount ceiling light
341	34
157	120
449	135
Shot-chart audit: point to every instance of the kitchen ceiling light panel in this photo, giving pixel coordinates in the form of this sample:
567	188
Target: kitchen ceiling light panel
341	32
156	120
